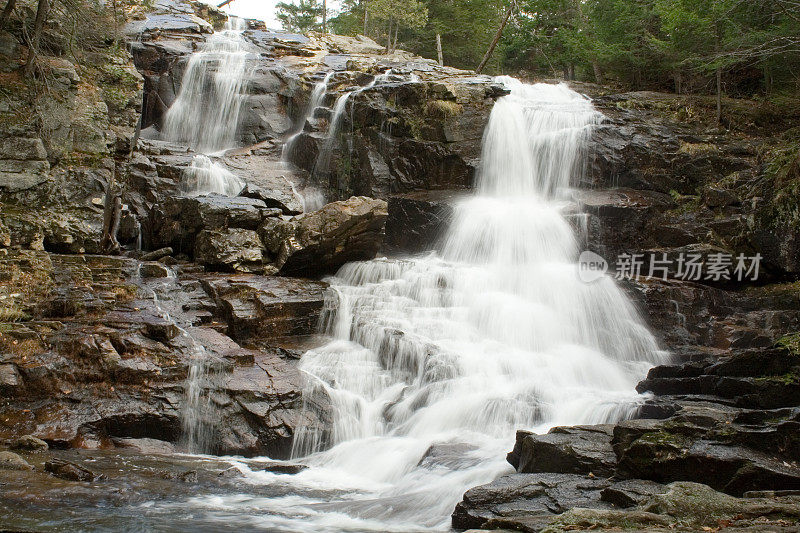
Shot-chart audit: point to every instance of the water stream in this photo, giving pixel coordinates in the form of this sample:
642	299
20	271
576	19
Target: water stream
206	113
435	361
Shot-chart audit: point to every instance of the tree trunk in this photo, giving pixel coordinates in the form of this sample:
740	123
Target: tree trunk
767	80
366	15
494	41
41	16
324	16
396	31
719	96
389	38
678	81
439	49
7	13
598	72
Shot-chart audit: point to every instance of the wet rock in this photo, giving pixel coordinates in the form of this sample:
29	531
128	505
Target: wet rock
322	241
12	461
146	445
177	221
156	255
10	379
528	495
70	471
29	443
233	249
278	467
417	222
631	492
567	450
153	270
262	307
666	456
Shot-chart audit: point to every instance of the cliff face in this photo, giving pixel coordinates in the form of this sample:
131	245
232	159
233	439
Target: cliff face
95	350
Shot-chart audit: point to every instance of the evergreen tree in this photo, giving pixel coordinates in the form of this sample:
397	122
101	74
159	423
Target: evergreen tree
303	16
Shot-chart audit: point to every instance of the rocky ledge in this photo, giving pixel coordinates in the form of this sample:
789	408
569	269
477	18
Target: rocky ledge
106	344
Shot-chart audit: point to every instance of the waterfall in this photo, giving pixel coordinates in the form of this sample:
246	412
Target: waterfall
322	165
206	112
318	94
435	361
205	176
197	412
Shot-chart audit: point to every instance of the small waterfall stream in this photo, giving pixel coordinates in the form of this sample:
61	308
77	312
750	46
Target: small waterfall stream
435	361
206	112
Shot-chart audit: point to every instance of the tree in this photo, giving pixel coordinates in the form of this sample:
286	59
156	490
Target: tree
10	5
496	39
397	14
302	16
42	10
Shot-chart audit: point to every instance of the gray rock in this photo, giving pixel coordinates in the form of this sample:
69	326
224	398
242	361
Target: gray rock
146	446
29	443
70	471
631	492
542	495
153	269
231	249
155	255
12	461
568	450
322	241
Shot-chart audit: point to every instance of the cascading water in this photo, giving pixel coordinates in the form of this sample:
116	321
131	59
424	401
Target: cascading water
453	353
205	115
204	177
323	162
318	94
197	412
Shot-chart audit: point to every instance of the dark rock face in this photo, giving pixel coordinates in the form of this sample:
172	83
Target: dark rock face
324	240
417	222
105	360
534	497
569	450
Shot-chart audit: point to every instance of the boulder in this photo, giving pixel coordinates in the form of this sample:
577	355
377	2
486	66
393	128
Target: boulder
177	221
12	461
70	471
230	249
146	446
320	242
528	495
566	450
29	443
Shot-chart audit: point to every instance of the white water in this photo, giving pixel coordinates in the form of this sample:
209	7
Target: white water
204	176
496	334
317	98
206	113
323	162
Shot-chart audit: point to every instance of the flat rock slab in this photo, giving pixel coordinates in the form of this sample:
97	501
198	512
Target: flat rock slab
263	307
528	495
568	450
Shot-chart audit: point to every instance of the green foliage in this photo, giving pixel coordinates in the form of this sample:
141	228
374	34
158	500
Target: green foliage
303	16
